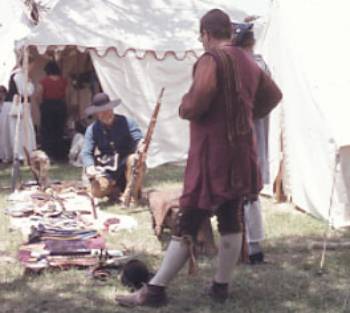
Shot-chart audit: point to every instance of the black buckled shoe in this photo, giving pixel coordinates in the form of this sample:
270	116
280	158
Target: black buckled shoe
218	292
257	258
148	295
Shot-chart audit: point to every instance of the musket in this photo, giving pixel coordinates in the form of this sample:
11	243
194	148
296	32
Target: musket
139	161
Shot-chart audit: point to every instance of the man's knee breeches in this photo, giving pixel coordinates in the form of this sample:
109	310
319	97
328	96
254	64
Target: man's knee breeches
229	216
189	221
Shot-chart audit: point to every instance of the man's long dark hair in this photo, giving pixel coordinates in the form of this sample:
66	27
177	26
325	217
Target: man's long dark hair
217	23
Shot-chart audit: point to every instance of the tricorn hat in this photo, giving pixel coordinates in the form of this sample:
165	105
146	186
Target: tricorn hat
240	30
100	103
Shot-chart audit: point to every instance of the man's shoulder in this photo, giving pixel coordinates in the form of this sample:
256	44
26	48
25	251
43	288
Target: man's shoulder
129	120
206	56
216	54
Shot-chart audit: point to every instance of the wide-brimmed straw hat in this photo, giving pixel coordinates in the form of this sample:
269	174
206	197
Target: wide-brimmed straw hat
100	103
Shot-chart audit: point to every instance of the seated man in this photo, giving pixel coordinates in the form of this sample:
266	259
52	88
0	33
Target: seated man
109	143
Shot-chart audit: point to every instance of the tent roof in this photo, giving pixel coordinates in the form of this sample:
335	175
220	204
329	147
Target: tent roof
14	25
160	26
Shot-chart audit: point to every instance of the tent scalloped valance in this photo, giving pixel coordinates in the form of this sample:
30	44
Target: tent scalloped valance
140	54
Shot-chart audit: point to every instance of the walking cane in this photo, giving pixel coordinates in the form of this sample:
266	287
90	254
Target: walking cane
16	163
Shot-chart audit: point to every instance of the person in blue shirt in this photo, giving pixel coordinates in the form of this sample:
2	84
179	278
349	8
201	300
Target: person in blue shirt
245	39
109	144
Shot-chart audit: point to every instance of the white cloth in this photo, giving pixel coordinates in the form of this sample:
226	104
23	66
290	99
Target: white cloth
261	127
19	79
75	155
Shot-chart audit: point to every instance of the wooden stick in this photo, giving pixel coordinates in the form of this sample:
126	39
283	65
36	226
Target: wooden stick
26	102
15	167
317	245
278	184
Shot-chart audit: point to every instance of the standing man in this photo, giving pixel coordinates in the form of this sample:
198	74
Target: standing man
108	145
222	166
245	39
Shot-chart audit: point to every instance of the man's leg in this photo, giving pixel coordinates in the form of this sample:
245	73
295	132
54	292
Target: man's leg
178	251
254	230
230	227
46	129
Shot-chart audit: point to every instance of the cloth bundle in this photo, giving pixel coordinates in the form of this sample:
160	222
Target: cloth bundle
164	206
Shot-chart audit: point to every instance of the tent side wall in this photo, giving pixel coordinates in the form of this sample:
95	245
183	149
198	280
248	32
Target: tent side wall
298	58
138	82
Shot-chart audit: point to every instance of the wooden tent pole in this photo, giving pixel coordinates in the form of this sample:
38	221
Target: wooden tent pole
77	89
278	184
15	173
26	101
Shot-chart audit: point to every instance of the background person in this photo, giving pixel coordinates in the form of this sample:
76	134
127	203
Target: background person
109	136
52	93
3	93
245	39
9	114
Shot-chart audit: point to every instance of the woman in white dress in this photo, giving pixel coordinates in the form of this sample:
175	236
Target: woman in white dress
8	118
3	93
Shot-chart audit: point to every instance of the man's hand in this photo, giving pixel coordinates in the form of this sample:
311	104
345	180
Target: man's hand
140	146
251	18
92	171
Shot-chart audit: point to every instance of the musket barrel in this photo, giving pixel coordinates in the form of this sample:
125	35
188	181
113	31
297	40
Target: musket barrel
136	169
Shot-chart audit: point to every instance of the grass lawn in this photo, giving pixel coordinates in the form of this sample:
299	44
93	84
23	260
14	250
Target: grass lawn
288	283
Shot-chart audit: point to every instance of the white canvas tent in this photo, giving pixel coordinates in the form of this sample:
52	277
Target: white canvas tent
136	47
16	22
305	46
14	25
139	46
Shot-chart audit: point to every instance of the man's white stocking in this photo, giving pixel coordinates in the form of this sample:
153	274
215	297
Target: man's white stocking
174	259
229	251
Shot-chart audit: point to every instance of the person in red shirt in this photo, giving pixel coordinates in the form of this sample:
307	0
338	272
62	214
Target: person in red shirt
52	90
